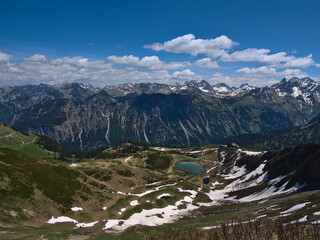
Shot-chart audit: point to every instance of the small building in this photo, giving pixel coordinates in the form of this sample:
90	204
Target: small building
206	180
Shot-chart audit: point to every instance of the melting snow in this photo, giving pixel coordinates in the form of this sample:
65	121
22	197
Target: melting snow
198	151
149	217
316	213
148	191
252	153
261	216
296	92
154	183
160	149
295	208
76	209
134	203
61	219
221	89
303	219
236	172
164	195
85	225
122	210
156	216
128	158
203	90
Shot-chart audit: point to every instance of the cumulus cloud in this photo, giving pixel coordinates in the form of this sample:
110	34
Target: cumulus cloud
220	48
151	62
267	71
301	62
278	60
186	74
213	48
79	62
257	55
264	71
207	63
40	69
36	58
237	80
4	58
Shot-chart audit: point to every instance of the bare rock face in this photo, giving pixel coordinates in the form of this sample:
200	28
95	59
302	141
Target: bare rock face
160	119
193	113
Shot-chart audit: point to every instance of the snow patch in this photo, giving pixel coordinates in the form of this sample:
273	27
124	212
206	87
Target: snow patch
164	195
86	225
128	158
134	203
251	153
295	208
76	209
61	219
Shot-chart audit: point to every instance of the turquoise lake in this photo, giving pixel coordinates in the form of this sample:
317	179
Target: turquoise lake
190	168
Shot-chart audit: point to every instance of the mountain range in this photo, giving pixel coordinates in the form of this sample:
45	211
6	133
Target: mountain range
193	113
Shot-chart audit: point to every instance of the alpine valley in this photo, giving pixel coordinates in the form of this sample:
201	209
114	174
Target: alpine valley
155	161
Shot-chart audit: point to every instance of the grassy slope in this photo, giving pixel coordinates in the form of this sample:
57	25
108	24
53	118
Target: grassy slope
60	187
33	189
20	142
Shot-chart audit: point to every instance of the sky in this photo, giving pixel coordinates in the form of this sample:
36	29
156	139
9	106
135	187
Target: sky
118	41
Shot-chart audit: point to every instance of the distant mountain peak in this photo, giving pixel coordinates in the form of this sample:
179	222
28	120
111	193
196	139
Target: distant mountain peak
283	80
244	85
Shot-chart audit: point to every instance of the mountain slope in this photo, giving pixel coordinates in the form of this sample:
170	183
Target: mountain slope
87	119
14	99
160	119
119	190
35	189
279	138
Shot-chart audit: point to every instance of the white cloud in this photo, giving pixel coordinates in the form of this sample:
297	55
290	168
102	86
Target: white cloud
151	62
80	62
220	47
219	77
257	55
213	48
292	73
266	71
207	63
75	61
263	72
186	74
4	58
36	58
40	69
125	60
301	62
278	60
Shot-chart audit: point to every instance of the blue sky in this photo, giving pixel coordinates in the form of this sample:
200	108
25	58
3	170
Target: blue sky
112	42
